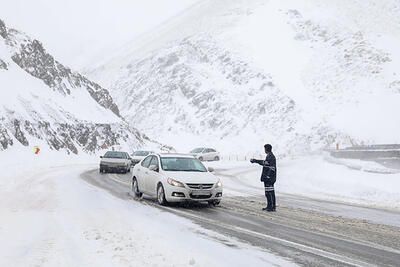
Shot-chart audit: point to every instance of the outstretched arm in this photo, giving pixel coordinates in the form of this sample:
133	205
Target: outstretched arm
261	162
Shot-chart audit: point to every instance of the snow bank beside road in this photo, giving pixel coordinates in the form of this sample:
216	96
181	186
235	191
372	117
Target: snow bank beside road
315	177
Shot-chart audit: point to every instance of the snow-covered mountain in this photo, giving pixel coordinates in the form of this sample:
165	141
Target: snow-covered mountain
42	102
302	75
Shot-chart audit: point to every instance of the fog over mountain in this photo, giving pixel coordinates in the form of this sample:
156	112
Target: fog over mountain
80	33
303	75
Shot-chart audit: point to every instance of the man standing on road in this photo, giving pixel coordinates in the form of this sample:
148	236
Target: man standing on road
268	176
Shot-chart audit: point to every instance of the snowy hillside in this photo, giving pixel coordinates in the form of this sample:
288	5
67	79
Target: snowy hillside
302	75
45	103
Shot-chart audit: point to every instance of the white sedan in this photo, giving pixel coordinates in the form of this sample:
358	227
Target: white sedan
137	156
205	154
175	178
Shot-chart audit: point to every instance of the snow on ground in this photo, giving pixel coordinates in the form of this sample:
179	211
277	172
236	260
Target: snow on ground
317	177
51	217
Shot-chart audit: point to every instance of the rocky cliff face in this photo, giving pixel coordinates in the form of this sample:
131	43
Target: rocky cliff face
32	57
44	101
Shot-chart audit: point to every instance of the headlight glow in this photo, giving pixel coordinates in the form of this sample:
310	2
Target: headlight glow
174	183
219	184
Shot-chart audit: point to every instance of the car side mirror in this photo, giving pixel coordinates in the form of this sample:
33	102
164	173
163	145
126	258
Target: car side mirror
153	168
101	157
210	169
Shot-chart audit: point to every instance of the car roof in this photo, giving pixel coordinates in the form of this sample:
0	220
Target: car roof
175	155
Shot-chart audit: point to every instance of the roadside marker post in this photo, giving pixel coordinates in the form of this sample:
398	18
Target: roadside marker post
36	150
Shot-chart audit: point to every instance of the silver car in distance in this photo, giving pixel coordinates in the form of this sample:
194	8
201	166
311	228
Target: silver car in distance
205	154
175	178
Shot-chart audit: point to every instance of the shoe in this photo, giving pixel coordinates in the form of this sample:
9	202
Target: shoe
267	209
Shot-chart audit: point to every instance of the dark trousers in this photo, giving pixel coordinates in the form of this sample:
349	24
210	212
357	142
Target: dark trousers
270	194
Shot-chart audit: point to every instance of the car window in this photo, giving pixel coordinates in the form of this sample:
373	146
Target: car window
141	153
212	150
182	164
154	161
146	162
115	155
207	150
197	150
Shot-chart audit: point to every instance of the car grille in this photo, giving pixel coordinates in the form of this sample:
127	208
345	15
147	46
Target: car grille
200	186
200	196
113	164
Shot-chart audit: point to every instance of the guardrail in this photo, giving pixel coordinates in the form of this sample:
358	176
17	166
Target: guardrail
371	152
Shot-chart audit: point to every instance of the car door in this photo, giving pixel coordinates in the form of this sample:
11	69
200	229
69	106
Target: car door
213	153
153	173
207	154
202	154
142	173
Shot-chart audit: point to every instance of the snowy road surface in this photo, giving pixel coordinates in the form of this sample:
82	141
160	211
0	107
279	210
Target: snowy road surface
71	215
318	233
51	217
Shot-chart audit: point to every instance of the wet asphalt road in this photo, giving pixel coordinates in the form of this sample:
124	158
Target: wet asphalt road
320	234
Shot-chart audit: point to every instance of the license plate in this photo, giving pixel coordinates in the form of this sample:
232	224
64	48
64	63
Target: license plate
201	192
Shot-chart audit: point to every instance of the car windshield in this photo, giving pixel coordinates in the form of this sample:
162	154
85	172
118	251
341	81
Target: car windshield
141	153
115	155
196	150
182	164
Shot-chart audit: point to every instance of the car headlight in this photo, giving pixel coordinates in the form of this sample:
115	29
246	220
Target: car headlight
219	184
174	183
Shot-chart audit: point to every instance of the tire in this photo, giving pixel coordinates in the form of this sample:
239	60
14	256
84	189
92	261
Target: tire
129	169
216	158
135	189
101	170
201	158
161	195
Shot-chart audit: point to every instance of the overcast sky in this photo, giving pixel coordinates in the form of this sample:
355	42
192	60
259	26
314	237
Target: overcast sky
76	31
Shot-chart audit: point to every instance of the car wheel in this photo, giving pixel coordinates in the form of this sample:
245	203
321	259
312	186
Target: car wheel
129	169
135	188
201	158
161	195
216	158
101	170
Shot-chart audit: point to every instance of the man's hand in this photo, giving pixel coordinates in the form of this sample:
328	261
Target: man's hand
252	160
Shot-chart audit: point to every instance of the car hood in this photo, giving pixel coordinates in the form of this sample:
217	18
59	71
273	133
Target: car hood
109	160
137	157
193	177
